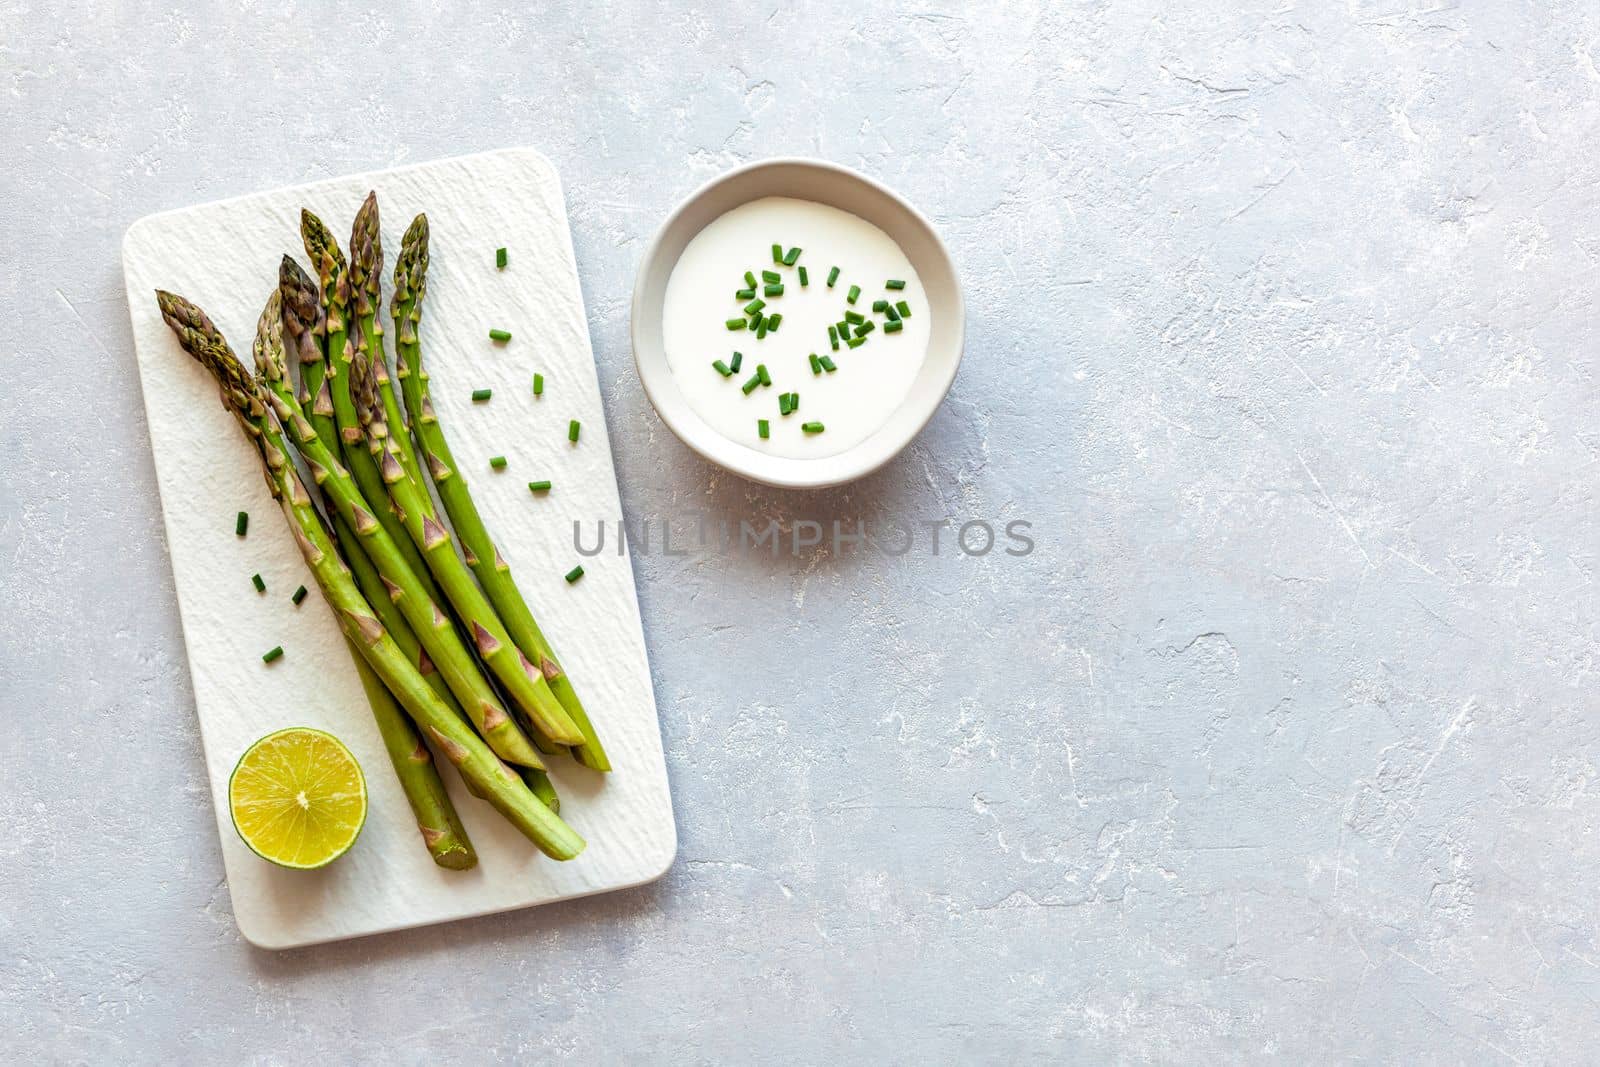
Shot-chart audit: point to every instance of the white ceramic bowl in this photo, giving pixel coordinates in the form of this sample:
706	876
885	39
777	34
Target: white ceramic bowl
836	186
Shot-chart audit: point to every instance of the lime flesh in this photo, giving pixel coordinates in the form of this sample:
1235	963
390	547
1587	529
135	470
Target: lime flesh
298	798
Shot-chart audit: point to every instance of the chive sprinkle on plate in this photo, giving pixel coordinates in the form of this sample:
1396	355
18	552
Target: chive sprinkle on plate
538	385
539	487
722	368
892	326
895	283
500	258
276	652
804	281
790	256
500	335
480	395
572	431
811	427
833	276
497	462
735	324
577	572
763	429
299	595
777	253
904	308
255	580
733	365
241	524
855	291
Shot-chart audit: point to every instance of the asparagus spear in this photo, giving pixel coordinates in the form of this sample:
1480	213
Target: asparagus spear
303	323
432	627
522	680
325	385
377	467
366	282
250	404
493	573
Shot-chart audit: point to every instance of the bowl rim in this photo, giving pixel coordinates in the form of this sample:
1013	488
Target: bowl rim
860	459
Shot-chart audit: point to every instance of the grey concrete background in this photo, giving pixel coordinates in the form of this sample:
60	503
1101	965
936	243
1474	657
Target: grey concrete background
1281	744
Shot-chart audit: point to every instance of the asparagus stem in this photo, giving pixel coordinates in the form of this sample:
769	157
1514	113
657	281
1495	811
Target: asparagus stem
245	398
432	626
542	787
328	386
490	567
436	817
524	682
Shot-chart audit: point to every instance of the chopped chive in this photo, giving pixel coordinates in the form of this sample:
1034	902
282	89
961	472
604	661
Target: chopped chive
816	364
538	385
572	431
763	429
880	306
833	276
745	294
539	487
298	595
734	324
865	328
904	308
811	427
276	652
790	256
500	258
804	281
833	338
794	403
894	283
750	279
574	574
771	276
480	395
756	321
775	289
761	331
722	368
777	253
241	524
891	313
761	372
255	580
783	404
772	322
738	358
892	326
750	384
855	291
499	335
854	318
754	306
497	462
828	364
856	342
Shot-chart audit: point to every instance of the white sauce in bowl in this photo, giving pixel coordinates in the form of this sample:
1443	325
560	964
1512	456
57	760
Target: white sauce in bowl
871	381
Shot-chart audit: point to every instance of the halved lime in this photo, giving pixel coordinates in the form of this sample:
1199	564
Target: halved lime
298	798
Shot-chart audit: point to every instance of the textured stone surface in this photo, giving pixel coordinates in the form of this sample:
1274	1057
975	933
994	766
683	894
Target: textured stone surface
1284	739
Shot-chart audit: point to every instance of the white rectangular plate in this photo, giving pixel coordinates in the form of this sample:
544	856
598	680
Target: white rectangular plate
224	257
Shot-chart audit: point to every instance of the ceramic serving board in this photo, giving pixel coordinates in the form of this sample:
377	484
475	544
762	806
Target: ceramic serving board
224	257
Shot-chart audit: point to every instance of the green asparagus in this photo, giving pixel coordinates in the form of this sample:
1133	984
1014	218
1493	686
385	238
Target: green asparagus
435	630
490	567
256	412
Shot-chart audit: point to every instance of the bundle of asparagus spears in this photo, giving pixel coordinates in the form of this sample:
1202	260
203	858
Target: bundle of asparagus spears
444	643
